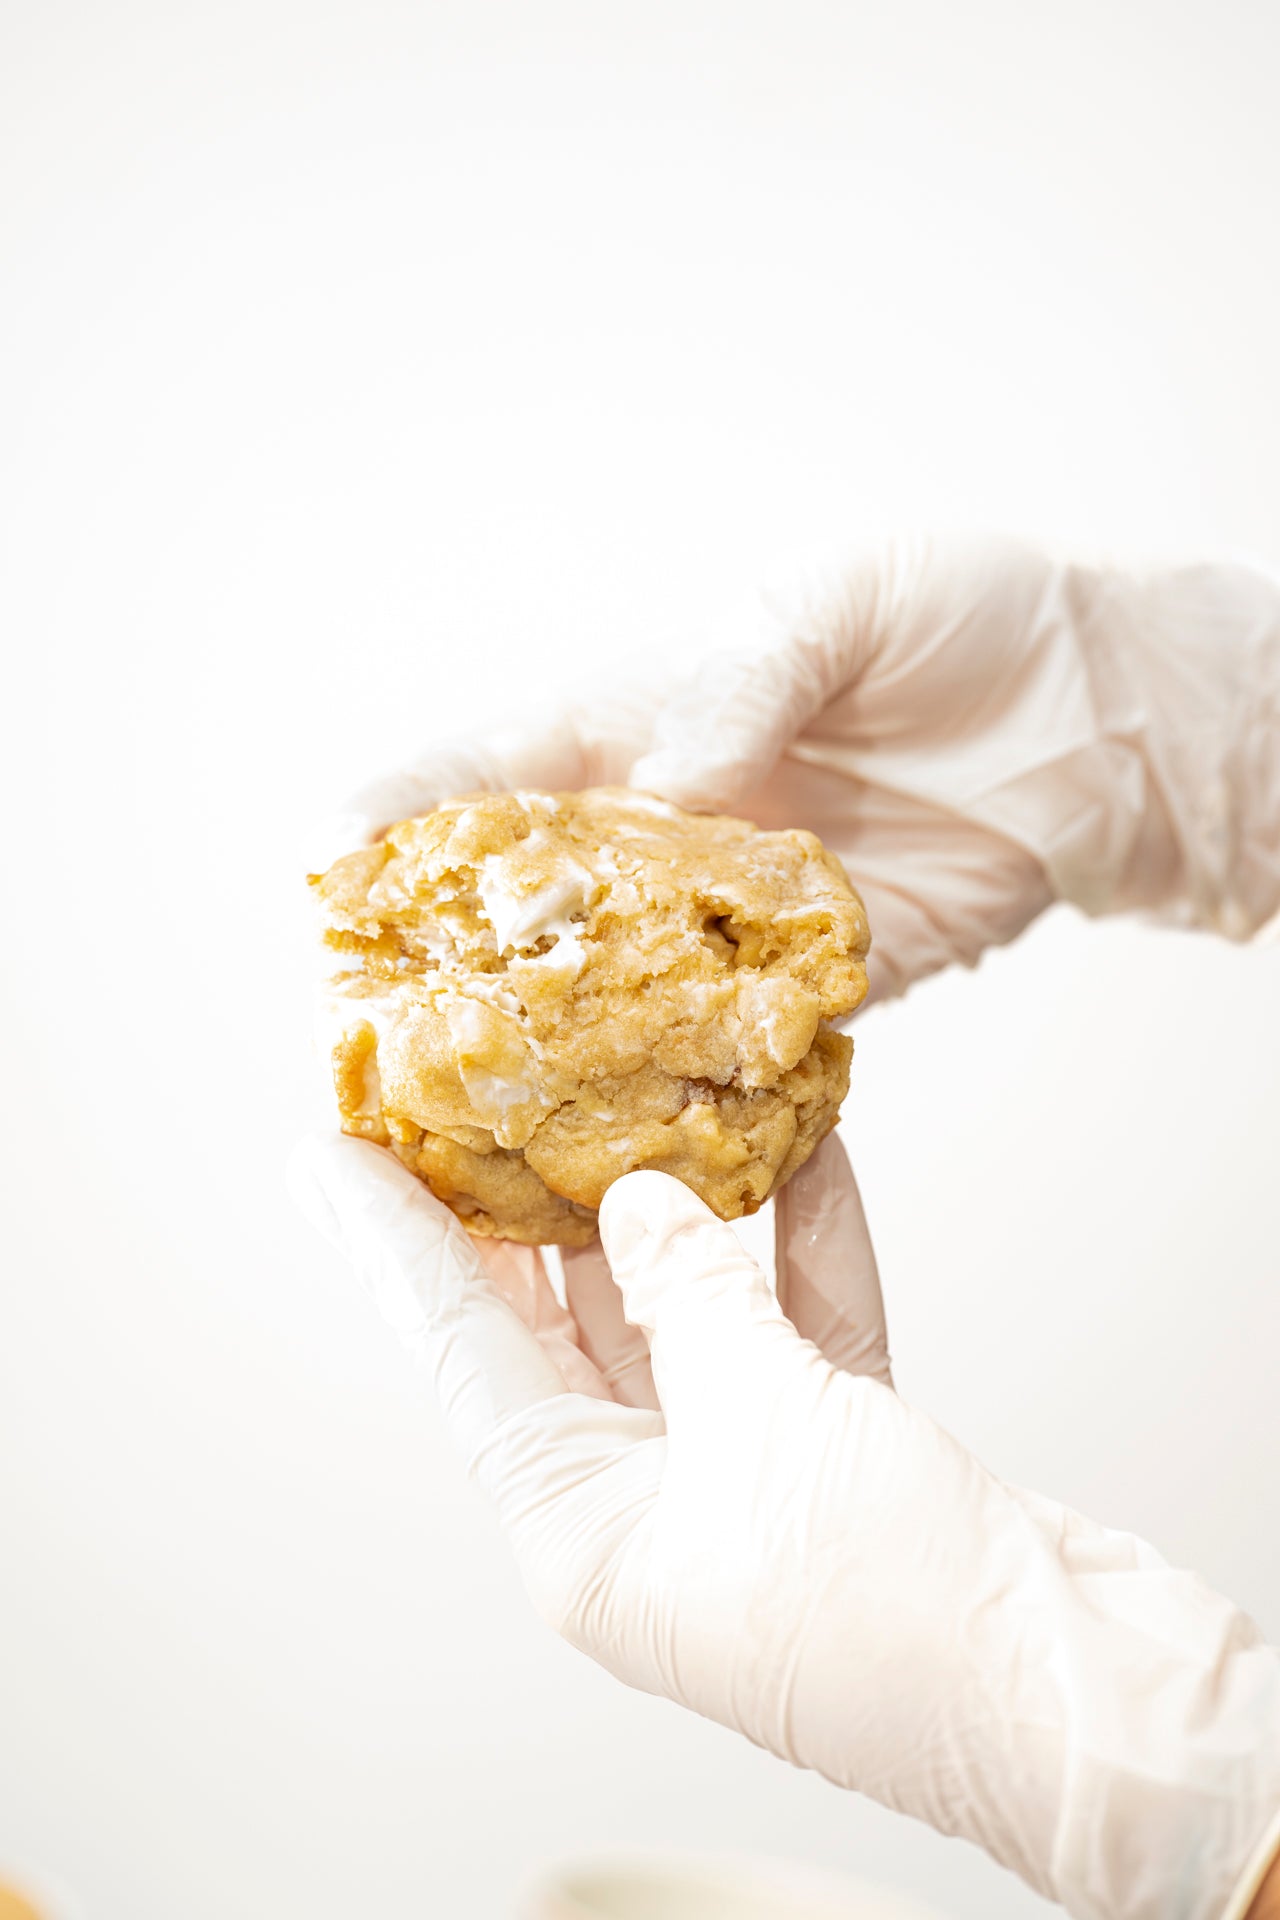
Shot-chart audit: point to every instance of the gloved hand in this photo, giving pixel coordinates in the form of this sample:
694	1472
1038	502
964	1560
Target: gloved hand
596	1351
789	1549
975	731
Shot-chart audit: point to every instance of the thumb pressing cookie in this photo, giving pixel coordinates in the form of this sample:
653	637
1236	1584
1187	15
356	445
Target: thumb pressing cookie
535	993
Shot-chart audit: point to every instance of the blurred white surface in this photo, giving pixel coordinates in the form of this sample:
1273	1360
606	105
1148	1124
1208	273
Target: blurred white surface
369	369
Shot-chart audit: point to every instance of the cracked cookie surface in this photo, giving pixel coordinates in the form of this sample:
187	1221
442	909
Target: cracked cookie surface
535	993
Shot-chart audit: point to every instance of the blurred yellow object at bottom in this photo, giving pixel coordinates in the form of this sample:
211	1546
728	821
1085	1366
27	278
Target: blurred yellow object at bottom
15	1906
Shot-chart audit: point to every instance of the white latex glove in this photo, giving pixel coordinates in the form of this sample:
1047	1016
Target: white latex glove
976	731
789	1549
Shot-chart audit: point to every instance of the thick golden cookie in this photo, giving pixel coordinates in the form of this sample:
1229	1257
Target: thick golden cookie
536	992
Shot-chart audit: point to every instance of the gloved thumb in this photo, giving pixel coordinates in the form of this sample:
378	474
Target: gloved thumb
686	1280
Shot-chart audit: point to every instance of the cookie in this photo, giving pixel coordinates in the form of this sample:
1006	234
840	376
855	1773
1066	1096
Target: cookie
534	993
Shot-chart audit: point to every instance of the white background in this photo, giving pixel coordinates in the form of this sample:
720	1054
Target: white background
367	370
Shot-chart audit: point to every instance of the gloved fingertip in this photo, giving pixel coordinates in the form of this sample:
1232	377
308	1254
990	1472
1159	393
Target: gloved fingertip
674	777
641	1206
663	1244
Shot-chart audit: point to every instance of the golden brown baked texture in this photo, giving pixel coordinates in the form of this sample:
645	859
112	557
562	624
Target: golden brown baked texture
535	993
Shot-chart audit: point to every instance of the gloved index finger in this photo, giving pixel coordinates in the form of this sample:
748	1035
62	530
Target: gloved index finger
519	1274
828	1281
544	756
592	742
423	1274
620	1351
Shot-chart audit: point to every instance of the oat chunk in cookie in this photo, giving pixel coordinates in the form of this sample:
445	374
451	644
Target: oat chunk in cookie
535	993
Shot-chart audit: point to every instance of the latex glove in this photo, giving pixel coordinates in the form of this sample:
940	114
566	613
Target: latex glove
976	731
789	1549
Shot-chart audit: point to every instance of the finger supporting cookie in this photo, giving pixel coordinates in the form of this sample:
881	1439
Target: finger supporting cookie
619	1351
549	755
420	1268
520	1277
828	1282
